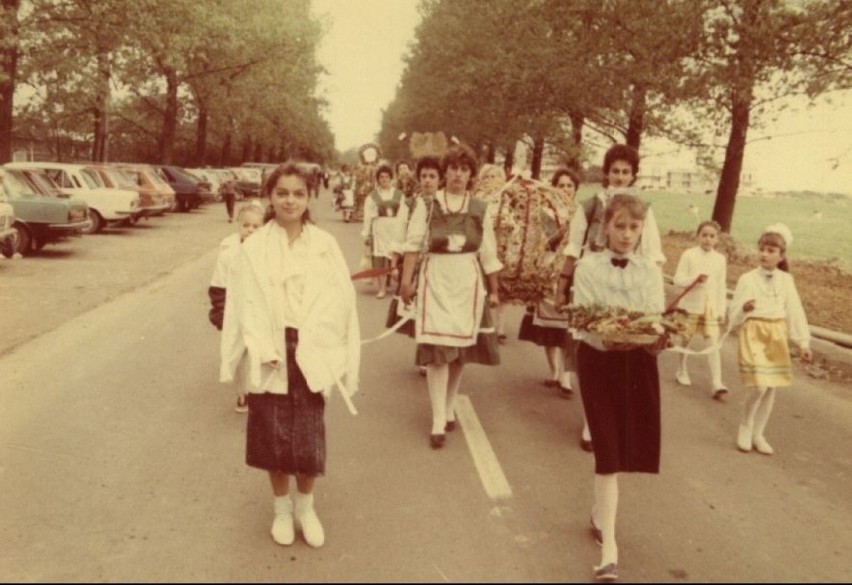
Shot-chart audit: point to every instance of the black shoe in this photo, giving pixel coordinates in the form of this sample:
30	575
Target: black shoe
596	532
566	392
437	441
450	426
607	573
586	445
720	394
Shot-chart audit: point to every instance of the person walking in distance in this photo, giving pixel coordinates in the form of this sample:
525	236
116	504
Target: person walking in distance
229	195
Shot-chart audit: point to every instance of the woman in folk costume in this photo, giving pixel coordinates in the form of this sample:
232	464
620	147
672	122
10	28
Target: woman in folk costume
382	233
456	285
494	175
291	304
554	339
772	311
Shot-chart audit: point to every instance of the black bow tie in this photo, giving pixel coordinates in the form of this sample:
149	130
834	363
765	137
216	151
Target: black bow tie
619	262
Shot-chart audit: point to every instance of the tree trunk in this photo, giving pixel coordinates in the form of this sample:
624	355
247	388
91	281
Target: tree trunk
636	116
509	159
226	144
246	156
491	153
99	148
8	78
201	135
537	156
167	138
729	181
258	151
574	159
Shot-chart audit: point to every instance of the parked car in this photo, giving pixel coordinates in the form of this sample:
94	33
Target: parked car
190	192
7	223
151	202
211	177
148	177
39	218
249	180
105	206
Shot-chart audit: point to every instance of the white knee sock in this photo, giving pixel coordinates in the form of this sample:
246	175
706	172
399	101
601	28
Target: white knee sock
714	360
437	378
761	417
453	384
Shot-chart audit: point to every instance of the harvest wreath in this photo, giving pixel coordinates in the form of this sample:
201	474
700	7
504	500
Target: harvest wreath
623	325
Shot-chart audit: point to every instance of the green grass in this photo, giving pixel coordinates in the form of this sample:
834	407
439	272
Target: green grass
824	238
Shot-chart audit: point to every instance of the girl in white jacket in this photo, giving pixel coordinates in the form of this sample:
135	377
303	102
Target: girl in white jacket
291	304
706	302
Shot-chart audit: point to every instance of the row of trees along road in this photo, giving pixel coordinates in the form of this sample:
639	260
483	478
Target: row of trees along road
169	81
561	72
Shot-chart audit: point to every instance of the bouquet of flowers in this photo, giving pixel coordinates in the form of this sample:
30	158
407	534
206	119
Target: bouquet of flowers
623	325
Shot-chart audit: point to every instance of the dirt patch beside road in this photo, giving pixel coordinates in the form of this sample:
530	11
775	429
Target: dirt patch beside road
40	292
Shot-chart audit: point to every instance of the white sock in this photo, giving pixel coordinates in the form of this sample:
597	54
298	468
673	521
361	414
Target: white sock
437	378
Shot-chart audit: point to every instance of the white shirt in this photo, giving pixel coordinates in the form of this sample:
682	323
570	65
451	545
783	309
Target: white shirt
650	244
775	297
417	230
293	278
692	263
228	249
638	286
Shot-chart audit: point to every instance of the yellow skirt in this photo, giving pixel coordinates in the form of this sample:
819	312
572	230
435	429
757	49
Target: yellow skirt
764	354
706	324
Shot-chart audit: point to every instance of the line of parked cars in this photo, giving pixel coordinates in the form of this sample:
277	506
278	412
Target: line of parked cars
46	202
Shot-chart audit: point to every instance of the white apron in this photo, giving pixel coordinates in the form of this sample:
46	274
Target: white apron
388	232
450	300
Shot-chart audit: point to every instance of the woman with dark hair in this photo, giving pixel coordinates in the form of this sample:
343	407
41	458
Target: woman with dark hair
382	233
535	326
292	304
458	275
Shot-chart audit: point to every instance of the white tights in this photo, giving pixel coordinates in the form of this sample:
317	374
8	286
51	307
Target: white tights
714	360
603	515
756	410
443	381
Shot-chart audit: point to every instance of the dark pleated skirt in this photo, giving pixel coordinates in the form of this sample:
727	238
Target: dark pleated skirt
621	398
543	336
286	432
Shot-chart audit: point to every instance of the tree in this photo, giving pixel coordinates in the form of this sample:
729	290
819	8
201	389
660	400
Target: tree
755	53
8	73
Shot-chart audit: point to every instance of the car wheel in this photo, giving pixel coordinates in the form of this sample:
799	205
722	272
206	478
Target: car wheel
97	222
38	244
7	247
185	206
23	240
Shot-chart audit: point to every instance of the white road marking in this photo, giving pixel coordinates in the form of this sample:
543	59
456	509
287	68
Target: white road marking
492	476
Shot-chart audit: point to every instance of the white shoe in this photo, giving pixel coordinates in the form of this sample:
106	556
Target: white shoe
762	446
307	520
744	439
282	527
682	378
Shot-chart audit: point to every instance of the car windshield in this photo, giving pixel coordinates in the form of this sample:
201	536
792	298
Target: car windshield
42	182
91	179
17	186
120	178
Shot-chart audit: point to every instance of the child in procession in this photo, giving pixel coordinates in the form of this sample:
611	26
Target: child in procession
292	304
705	302
771	311
249	219
619	382
586	234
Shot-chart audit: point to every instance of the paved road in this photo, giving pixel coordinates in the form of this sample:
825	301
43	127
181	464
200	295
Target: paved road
121	457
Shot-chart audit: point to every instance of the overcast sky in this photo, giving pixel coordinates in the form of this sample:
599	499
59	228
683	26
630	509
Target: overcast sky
363	53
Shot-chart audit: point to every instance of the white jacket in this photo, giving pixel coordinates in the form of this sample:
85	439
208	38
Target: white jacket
329	349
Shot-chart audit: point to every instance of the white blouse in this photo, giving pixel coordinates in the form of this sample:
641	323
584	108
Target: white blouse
775	297
290	274
650	244
417	229
692	263
637	286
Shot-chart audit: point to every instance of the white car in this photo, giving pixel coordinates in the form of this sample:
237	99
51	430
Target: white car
209	176
106	206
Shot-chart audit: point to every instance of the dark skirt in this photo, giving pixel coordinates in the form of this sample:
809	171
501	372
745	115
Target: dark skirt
286	432
484	351
543	336
621	398
380	262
